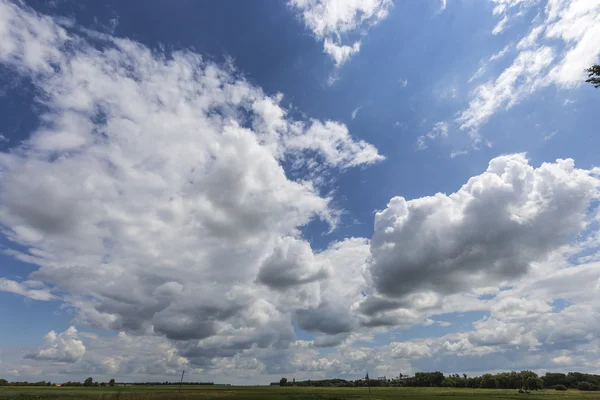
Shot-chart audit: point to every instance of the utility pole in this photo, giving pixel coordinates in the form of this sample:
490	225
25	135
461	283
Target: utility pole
181	382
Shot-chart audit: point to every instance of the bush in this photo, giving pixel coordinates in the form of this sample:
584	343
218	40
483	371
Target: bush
560	387
586	386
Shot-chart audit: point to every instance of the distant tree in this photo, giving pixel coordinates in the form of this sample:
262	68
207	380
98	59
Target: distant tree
103	384
586	386
488	381
560	387
594	75
111	382
283	382
88	382
3	382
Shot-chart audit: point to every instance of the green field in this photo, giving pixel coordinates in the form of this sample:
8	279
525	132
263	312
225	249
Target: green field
280	393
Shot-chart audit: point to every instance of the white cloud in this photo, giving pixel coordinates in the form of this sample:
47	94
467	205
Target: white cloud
439	130
62	347
154	201
516	82
478	74
501	53
496	56
32	289
332	20
562	360
153	194
499	28
355	112
340	53
550	135
444	244
333	141
555	51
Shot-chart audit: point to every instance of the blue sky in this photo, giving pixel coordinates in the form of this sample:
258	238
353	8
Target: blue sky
311	188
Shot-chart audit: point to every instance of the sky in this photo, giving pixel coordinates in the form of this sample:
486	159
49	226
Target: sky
309	189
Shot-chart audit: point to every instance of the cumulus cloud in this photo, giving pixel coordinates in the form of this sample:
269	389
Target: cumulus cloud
558	47
153	194
333	20
156	200
292	263
491	230
62	347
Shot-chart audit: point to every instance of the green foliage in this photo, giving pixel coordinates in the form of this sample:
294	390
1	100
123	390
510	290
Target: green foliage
3	382
587	386
283	382
560	387
594	75
191	392
88	382
111	382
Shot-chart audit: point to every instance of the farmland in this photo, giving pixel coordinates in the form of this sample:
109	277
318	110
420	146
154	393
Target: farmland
279	393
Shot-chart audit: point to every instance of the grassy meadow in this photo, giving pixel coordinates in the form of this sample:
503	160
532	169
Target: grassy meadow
277	393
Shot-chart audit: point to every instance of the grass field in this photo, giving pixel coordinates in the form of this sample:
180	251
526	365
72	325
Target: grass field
268	393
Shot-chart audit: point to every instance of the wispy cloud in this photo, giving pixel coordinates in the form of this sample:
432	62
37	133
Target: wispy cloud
439	130
550	135
541	60
332	20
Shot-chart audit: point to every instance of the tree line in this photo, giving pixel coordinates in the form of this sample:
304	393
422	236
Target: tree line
89	382
524	380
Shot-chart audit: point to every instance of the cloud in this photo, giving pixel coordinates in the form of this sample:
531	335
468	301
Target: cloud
499	28
491	230
501	53
439	130
355	112
528	210
496	56
164	197
558	47
331	21
340	53
61	347
517	81
33	290
335	145
562	360
292	263
153	195
550	135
